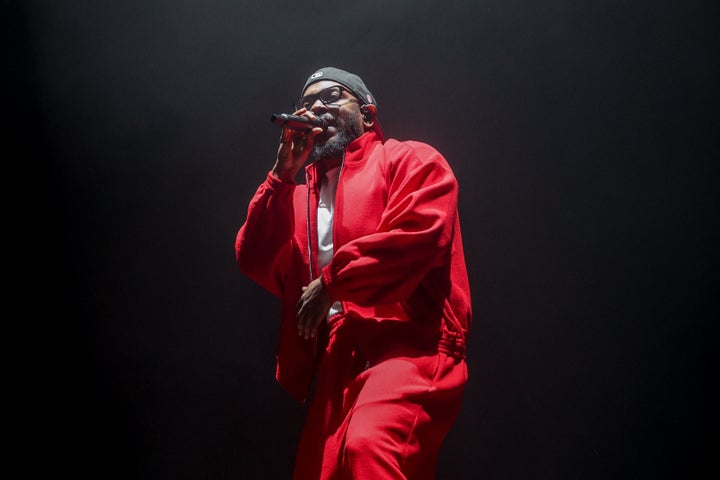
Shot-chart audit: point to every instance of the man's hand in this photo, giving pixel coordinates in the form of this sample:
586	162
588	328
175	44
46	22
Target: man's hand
312	308
294	149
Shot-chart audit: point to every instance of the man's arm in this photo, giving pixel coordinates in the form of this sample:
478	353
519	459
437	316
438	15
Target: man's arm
263	245
414	235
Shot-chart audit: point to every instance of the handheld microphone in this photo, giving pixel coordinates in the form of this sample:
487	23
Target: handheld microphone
297	122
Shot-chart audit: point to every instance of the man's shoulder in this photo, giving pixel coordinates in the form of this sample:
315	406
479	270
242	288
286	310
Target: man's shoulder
409	147
407	144
412	150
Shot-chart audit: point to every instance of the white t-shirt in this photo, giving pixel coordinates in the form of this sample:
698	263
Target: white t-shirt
326	207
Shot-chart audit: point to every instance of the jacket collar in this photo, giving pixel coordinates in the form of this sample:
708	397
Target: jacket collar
358	148
354	153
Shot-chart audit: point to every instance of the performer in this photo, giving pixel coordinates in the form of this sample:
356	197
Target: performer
367	259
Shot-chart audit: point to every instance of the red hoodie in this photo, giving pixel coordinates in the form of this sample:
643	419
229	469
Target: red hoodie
398	255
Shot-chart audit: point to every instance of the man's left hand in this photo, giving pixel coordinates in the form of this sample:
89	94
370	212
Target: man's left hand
312	308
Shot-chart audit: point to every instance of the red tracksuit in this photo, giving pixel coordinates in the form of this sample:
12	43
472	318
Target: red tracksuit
391	367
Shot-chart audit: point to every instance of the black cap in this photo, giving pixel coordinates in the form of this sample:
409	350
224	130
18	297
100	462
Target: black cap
352	82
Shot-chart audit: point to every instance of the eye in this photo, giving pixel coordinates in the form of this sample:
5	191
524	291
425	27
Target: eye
330	95
305	102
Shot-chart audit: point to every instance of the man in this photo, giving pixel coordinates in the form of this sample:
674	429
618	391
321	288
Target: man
367	259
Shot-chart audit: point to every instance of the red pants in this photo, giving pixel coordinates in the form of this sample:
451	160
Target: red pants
379	416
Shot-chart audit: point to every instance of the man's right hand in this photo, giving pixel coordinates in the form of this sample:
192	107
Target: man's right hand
294	149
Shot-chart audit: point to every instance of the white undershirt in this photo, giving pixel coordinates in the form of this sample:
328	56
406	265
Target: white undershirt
326	210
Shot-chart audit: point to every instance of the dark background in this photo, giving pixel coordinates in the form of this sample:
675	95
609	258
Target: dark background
585	138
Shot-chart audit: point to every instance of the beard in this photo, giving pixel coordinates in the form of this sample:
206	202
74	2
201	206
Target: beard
334	148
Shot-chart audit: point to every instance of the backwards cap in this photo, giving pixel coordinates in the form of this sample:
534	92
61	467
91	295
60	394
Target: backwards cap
352	82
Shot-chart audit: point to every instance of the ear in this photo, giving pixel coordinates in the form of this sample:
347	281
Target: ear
368	113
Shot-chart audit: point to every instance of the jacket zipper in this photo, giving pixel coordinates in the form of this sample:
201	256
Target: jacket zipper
308	222
307	215
309	229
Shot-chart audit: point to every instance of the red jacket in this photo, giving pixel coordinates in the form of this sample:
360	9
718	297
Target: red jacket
398	254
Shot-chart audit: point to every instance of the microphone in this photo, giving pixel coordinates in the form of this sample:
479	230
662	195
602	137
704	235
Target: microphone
297	122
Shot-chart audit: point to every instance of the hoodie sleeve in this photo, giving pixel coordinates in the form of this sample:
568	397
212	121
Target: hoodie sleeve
264	242
413	237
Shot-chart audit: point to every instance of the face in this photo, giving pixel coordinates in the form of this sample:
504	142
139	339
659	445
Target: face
344	120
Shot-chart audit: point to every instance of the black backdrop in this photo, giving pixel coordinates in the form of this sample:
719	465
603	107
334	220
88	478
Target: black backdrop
584	137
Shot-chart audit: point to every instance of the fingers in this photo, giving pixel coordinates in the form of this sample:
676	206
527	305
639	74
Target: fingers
312	308
308	320
292	153
301	314
286	135
301	139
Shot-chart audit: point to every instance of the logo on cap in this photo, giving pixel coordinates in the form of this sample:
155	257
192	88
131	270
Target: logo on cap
369	98
316	75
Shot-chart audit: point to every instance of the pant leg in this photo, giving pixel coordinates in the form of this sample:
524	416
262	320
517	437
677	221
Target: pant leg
402	410
382	422
317	456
